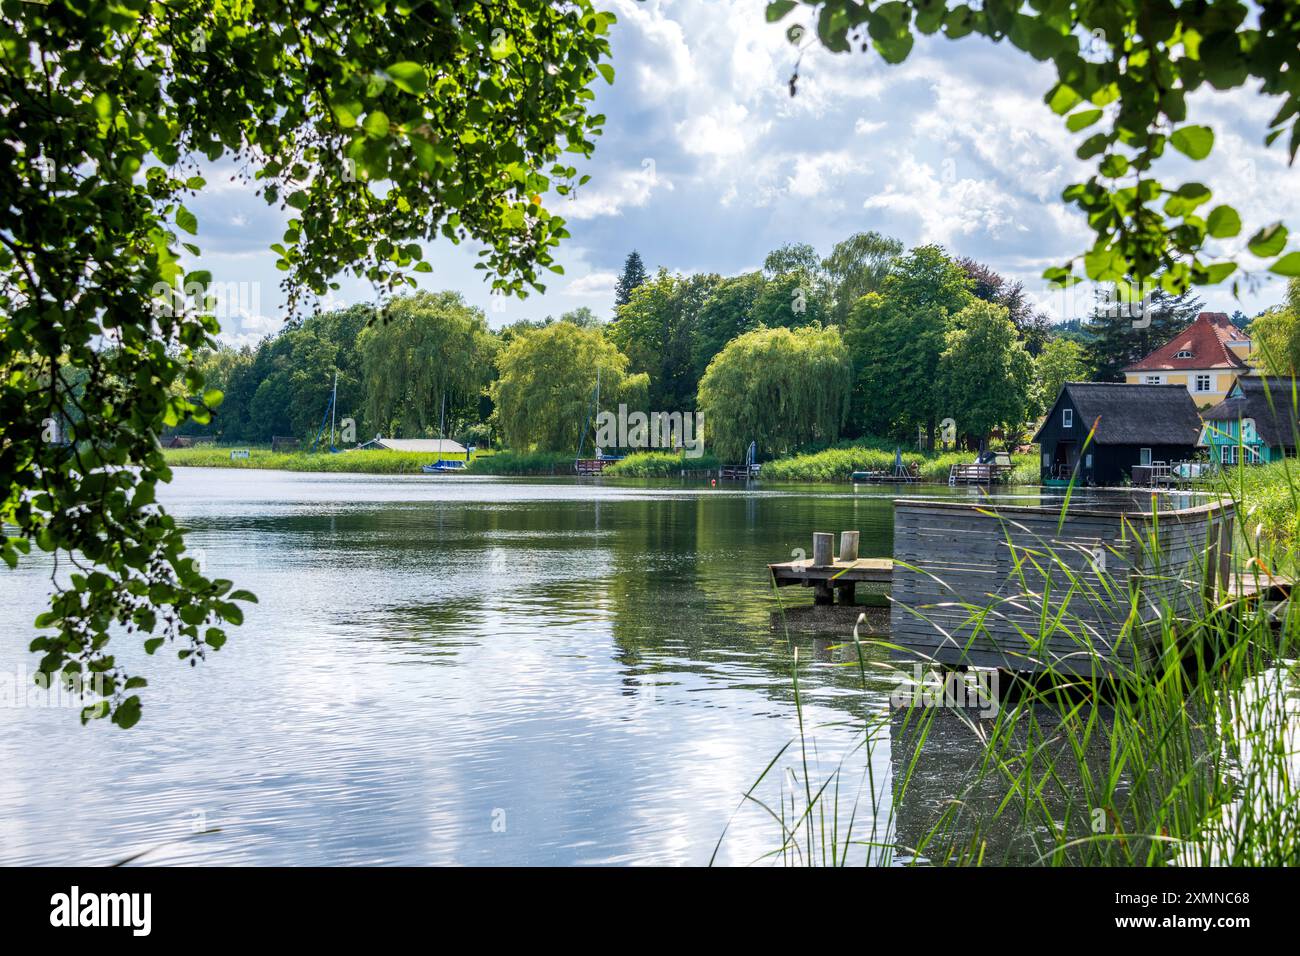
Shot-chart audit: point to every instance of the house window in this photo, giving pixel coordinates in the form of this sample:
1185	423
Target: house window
1154	379
1252	455
1144	456
1183	354
1087	461
1228	454
1203	383
1067	418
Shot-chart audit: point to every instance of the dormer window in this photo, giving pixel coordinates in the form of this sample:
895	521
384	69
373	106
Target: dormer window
1185	353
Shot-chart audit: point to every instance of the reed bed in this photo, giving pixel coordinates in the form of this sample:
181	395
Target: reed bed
1190	755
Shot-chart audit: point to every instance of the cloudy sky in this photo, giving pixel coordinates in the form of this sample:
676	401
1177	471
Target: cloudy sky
707	163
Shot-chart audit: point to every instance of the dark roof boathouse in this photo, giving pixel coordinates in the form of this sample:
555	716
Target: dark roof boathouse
1135	425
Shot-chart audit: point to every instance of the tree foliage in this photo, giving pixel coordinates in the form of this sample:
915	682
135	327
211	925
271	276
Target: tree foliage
1119	335
633	275
1031	324
779	387
1061	360
379	126
427	349
986	376
896	337
547	382
858	265
656	331
1276	334
1125	75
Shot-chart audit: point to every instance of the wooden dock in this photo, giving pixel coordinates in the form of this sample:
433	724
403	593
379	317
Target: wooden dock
954	557
976	474
833	575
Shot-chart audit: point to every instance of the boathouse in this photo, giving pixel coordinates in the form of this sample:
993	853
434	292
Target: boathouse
1257	422
1135	425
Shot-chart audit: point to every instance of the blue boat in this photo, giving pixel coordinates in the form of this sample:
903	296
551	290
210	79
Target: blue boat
441	467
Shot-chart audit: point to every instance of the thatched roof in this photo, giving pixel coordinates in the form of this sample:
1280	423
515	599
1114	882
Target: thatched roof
1248	399
1134	414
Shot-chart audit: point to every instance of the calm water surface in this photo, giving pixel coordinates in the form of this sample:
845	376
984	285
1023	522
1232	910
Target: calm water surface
456	670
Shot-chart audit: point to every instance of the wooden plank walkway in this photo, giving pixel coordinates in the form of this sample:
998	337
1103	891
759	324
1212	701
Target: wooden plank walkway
838	576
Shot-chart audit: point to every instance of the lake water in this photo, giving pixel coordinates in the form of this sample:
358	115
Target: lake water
460	670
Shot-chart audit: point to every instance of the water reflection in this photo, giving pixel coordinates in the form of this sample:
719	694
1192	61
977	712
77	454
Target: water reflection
458	670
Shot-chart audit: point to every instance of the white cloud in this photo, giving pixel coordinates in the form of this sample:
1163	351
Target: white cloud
608	194
594	285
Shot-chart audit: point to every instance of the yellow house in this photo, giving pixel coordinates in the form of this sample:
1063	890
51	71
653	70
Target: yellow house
1206	358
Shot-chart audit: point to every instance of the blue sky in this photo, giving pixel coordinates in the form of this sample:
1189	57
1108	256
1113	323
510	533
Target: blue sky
707	164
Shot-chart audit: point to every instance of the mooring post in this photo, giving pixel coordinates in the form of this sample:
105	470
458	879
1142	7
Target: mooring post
823	541
849	545
848	590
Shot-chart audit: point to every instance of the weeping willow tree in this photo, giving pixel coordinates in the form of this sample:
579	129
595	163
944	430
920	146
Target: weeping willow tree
783	388
428	345
547	380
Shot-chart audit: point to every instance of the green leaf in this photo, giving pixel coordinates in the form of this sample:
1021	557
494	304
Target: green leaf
1193	141
409	77
1269	241
1288	265
376	124
1223	222
186	220
779	8
1082	119
1062	99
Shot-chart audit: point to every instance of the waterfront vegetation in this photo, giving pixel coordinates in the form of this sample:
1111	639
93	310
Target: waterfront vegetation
836	464
1192	758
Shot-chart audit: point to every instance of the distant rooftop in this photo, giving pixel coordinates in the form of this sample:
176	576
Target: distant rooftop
1202	345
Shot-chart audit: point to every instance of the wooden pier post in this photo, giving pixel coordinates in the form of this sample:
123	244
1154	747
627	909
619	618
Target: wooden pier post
847	590
849	545
822	543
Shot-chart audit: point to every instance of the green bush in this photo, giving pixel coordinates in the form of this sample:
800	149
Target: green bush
837	463
658	464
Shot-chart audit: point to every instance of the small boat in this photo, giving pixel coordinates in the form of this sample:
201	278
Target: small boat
441	467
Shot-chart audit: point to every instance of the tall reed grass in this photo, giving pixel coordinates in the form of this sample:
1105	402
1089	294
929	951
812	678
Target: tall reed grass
1187	753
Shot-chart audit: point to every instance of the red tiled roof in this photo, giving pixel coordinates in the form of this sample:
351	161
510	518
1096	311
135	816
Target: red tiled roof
1207	339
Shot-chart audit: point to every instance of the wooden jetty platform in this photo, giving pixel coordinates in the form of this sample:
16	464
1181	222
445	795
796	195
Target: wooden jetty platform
977	474
953	559
830	575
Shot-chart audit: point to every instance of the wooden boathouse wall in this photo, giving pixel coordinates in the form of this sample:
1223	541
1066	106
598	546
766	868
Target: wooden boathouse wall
954	559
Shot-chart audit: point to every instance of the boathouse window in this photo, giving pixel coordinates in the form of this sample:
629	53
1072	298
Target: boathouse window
1203	383
1144	456
1067	418
1228	454
1153	379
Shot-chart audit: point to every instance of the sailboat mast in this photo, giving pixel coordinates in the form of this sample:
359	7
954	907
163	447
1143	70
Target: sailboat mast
442	424
334	405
